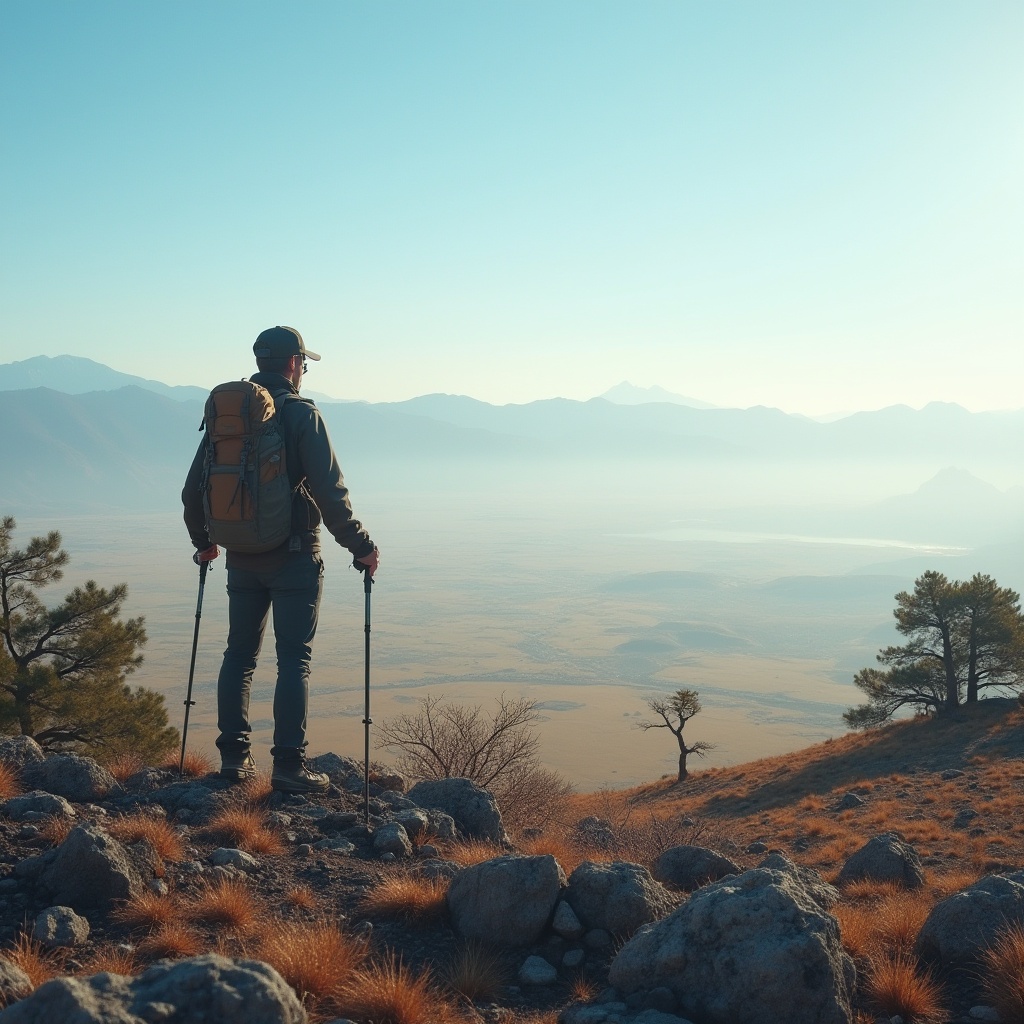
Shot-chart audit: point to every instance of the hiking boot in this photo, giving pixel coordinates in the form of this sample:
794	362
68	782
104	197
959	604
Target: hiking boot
296	777
237	766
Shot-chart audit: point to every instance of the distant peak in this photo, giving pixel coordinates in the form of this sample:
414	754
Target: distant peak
631	394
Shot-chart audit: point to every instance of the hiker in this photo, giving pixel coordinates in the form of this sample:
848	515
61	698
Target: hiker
289	577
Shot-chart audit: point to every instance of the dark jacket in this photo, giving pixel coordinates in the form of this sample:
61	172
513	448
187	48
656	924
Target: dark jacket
314	473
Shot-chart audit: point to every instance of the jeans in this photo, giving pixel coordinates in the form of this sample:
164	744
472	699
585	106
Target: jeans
293	592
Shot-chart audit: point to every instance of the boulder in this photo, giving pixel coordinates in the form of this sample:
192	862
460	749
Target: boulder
15	984
618	897
506	901
963	925
754	949
197	991
594	832
566	924
36	805
886	858
193	799
537	971
60	926
90	870
20	751
689	867
77	778
344	772
474	810
825	895
392	838
230	857
415	821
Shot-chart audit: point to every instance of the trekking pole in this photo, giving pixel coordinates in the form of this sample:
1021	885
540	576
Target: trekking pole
189	702
367	722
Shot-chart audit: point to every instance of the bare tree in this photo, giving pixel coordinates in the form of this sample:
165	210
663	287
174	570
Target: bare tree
675	711
497	751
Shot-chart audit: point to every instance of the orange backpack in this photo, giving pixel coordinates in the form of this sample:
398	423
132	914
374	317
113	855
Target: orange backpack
246	492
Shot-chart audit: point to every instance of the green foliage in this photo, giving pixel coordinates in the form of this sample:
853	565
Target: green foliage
963	637
62	669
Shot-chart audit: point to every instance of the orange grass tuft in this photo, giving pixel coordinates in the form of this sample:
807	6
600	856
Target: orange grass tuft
55	829
582	989
246	828
473	851
171	941
254	790
228	904
952	881
315	959
896	987
148	910
8	781
1003	974
124	766
112	960
566	853
30	956
301	896
475	972
158	832
197	764
389	993
411	898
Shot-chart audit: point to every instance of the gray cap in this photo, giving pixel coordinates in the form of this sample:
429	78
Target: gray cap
280	342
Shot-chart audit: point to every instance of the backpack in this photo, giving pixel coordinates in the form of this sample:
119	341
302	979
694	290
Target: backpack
247	496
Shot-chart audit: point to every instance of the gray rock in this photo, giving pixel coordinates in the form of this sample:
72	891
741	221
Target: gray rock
964	817
446	869
227	857
886	858
90	870
658	1017
441	826
336	845
414	820
37	804
754	949
617	896
474	810
342	771
689	867
587	1013
390	780
757	847
537	971
573	958
984	1013
15	984
661	999
825	895
77	778
392	838
189	801
566	924
951	773
60	926
505	901
20	751
960	927
197	991
848	802
146	780
594	832
598	939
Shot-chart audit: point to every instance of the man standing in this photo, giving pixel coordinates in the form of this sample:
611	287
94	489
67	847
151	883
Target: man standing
288	579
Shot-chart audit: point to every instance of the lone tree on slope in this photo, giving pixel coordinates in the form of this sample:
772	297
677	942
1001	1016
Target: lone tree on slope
963	637
675	711
62	669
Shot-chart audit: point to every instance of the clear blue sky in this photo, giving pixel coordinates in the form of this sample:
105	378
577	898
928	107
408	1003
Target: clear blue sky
815	205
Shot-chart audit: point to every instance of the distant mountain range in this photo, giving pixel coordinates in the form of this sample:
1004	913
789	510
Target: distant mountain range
629	394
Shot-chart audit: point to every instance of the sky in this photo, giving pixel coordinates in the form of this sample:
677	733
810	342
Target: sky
813	206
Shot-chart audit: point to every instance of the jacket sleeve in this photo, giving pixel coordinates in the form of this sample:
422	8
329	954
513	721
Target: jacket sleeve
192	499
326	484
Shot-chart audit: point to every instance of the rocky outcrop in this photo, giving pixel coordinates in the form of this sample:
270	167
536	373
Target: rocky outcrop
886	858
474	810
60	926
689	867
825	895
36	806
197	991
754	949
20	751
963	925
90	870
75	778
506	901
618	897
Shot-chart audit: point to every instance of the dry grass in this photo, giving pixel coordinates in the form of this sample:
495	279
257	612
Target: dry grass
227	904
1002	975
408	897
160	834
8	781
473	851
387	992
197	764
896	987
55	829
255	790
124	766
247	829
476	972
302	897
315	959
869	889
171	941
148	910
952	881
30	956
113	960
569	855
582	989
882	925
